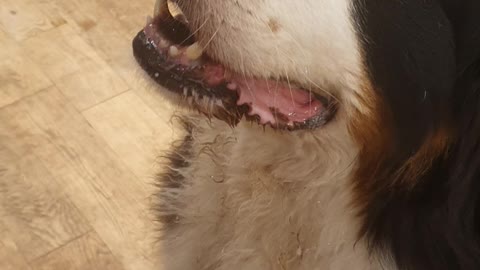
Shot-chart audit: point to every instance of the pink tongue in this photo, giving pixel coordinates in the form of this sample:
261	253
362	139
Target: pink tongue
271	100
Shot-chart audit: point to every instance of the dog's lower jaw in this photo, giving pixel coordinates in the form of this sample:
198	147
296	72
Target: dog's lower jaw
249	198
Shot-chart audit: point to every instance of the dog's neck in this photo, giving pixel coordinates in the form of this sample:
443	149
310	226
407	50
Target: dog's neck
272	182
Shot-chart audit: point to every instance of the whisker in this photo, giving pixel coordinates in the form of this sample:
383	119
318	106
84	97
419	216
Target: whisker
321	89
274	100
212	37
290	88
275	112
196	31
277	82
303	51
245	76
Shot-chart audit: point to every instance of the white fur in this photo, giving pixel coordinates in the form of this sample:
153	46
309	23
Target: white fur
259	200
315	43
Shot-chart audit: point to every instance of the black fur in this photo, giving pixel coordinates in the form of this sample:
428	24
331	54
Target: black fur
409	47
424	60
177	159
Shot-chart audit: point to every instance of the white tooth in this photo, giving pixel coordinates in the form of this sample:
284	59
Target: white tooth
163	6
160	7
176	12
194	51
232	86
174	9
163	43
173	51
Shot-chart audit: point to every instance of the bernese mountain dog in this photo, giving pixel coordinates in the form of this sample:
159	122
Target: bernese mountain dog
323	134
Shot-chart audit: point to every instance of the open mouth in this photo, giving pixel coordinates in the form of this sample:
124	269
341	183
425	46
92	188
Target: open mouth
167	50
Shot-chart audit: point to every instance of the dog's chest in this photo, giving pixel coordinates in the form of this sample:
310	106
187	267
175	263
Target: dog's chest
283	200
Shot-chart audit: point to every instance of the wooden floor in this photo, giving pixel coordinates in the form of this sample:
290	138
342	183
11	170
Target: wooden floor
79	136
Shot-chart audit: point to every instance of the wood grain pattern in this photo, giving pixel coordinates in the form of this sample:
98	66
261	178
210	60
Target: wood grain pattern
10	256
22	20
19	77
133	133
74	66
39	217
9	47
86	252
80	130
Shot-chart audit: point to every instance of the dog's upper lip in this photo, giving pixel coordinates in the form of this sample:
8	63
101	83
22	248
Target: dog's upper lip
166	54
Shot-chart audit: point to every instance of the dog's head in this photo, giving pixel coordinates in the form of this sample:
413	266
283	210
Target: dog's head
402	76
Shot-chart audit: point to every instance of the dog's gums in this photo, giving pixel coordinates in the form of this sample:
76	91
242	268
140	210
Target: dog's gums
167	51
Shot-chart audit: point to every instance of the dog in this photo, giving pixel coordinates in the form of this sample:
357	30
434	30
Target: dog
324	134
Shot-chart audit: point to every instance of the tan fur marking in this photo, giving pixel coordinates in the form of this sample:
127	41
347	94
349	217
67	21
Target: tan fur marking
435	146
373	134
